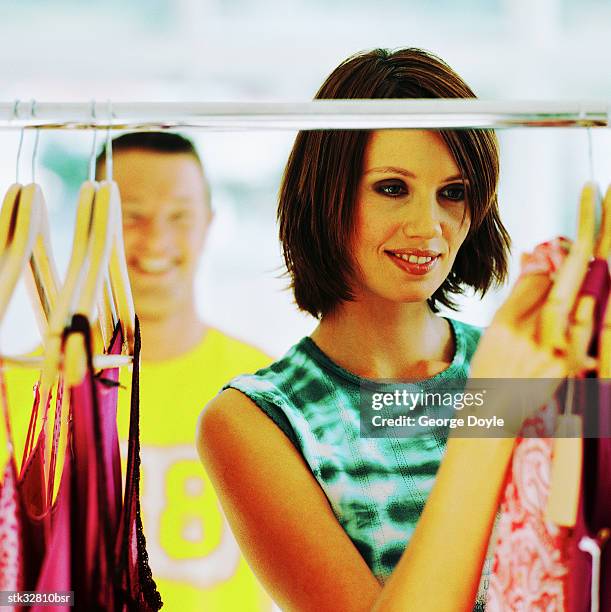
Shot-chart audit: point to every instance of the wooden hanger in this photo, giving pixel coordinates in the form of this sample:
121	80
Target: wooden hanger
7	218
62	312
65	303
105	255
76	268
27	243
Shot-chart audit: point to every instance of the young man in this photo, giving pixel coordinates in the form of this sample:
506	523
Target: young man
166	216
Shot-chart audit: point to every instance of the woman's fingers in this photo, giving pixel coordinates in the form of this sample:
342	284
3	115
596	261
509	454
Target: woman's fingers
544	318
555	314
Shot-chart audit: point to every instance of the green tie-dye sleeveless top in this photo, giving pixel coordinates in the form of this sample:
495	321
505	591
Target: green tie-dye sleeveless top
377	487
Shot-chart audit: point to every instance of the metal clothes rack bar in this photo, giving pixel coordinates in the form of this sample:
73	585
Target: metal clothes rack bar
317	114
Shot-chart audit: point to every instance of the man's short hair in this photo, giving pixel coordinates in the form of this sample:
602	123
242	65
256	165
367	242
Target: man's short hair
157	142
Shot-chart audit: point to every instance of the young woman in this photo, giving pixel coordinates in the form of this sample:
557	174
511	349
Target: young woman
378	229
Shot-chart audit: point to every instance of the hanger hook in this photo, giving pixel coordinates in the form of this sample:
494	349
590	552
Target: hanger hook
109	143
582	117
92	156
590	154
20	146
35	152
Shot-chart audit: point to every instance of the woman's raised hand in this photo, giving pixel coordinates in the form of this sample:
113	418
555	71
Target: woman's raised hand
544	327
531	333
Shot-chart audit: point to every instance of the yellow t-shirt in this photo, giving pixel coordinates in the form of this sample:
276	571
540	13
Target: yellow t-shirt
194	557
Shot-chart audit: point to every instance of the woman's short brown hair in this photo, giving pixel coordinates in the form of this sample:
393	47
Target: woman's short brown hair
318	191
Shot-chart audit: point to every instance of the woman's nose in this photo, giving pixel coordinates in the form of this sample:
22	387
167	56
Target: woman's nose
422	217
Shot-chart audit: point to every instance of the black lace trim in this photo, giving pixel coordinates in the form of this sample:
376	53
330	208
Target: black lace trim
149	598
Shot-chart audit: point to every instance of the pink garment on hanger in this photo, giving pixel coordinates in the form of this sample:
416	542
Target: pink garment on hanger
530	562
25	518
32	489
65	541
47	522
11	551
97	478
114	573
594	512
55	573
537	564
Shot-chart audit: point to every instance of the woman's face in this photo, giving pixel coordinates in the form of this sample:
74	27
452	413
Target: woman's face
412	215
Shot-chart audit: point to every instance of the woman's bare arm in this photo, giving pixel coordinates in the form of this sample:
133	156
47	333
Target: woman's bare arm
278	512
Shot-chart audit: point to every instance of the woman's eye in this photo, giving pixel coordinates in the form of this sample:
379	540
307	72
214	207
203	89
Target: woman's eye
393	189
456	193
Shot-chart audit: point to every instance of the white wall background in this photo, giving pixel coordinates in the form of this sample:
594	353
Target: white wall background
282	50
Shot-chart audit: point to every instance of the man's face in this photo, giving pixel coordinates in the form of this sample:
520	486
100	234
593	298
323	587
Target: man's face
165	221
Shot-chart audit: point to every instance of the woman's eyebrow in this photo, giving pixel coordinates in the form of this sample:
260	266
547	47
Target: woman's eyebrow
405	172
392	170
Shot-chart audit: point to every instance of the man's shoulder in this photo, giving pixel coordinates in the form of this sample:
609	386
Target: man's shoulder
223	346
222	337
216	338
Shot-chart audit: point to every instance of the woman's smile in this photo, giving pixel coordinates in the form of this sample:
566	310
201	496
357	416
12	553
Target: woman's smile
414	262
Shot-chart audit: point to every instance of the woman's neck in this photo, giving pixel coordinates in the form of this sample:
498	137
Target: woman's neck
382	339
